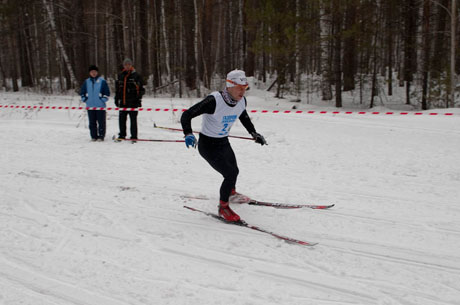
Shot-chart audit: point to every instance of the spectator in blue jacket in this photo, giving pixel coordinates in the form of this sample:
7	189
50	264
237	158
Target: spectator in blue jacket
95	93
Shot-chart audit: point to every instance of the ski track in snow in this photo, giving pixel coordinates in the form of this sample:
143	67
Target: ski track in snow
103	223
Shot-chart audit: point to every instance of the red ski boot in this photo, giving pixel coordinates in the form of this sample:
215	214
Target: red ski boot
226	213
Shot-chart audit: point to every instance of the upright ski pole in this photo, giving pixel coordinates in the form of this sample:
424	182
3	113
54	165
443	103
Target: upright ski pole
81	117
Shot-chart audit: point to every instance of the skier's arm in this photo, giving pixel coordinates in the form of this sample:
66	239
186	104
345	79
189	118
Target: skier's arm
105	91
117	93
246	121
208	105
83	92
140	85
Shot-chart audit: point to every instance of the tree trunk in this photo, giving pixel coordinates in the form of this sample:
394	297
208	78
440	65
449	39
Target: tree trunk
13	68
2	70
453	34
108	47
250	37
206	41
26	78
410	29
426	52
96	34
297	50
228	38
189	32
241	37
349	56
155	40
27	74
195	48
118	33
59	43
374	88
81	44
125	27
180	47
143	50
440	42
165	39
389	26
218	47
48	55
325	25
337	25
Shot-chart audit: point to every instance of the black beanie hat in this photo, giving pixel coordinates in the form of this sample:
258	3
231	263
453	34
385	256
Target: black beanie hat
93	67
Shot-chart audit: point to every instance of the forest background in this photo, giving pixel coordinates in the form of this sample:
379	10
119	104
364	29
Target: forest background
186	47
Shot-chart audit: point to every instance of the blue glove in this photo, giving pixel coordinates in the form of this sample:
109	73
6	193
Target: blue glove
190	140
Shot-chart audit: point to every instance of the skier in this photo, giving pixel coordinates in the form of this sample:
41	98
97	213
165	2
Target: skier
95	93
129	92
220	110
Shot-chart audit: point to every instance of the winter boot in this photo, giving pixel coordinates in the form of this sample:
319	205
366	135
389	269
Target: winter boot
118	139
226	213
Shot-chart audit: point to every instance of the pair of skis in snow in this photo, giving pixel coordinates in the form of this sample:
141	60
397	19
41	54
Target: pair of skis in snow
277	205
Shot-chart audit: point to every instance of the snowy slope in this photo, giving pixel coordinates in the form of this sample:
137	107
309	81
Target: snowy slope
104	224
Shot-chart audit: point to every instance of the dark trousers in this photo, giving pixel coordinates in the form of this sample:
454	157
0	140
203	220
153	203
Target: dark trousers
122	118
221	157
97	123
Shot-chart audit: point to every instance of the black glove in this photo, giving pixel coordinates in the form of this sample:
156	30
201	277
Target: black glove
117	103
259	138
139	103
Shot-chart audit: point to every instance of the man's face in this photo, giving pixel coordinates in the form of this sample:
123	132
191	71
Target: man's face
237	92
127	66
93	73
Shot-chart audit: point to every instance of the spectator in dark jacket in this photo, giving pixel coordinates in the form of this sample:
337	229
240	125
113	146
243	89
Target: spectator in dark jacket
95	93
129	92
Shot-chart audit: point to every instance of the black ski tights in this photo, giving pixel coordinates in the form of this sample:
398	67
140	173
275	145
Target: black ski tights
220	155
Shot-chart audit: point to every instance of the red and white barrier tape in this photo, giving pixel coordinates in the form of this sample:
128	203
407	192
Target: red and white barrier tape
88	108
251	111
350	112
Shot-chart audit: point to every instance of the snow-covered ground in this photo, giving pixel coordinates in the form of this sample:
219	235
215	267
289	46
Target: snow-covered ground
103	223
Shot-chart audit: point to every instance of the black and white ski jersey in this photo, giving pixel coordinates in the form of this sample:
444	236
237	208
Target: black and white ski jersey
218	116
219	123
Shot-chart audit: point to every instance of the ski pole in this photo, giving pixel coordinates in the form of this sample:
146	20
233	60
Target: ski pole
82	116
177	129
147	140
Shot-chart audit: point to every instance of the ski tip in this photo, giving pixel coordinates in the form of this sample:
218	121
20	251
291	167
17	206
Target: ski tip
324	207
299	242
303	243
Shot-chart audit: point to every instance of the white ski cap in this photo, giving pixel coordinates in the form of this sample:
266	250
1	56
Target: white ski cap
236	77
